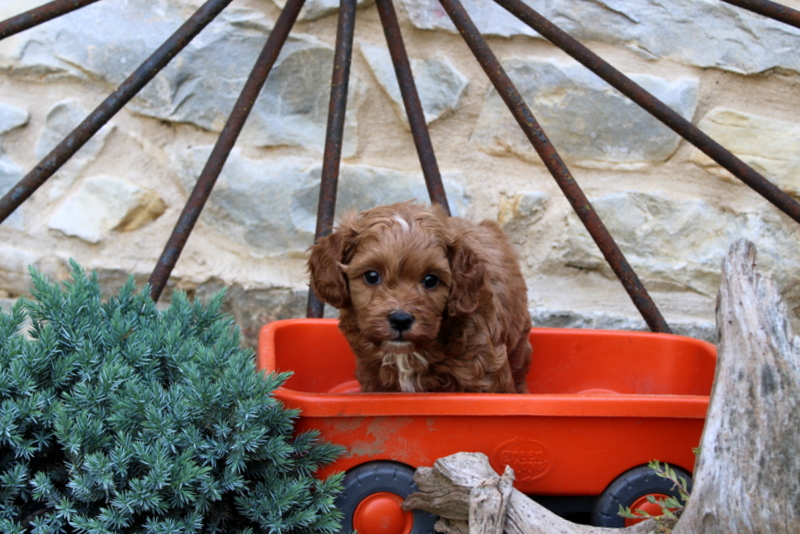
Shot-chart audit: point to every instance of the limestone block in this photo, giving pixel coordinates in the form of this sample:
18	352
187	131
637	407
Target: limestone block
271	205
14	262
316	9
550	318
439	84
106	37
60	121
293	106
105	203
10	175
703	33
252	308
588	122
201	85
527	207
12	117
518	214
770	146
490	18
679	244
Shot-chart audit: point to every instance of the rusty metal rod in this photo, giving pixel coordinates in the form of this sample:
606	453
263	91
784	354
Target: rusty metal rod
38	15
334	134
654	106
110	106
416	116
222	148
769	9
552	160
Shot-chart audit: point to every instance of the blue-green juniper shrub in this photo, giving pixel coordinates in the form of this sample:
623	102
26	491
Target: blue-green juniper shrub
117	417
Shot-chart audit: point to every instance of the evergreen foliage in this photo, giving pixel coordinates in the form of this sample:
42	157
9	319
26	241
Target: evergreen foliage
117	417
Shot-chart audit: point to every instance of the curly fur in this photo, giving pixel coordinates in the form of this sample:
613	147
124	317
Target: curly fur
469	331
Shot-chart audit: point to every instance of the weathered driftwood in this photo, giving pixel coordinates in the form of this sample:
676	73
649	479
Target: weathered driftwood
488	503
448	489
747	478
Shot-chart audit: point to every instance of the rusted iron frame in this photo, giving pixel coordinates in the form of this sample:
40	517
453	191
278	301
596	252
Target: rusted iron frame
769	9
222	149
533	131
334	133
110	106
36	16
654	106
416	117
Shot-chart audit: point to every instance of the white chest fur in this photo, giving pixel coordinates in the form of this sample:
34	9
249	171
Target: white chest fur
405	363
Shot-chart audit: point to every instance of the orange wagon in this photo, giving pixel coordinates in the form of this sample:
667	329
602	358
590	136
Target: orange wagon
602	404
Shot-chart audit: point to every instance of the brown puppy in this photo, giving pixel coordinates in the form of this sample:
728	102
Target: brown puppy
427	302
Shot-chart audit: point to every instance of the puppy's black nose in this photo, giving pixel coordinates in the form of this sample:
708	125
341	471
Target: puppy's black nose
401	321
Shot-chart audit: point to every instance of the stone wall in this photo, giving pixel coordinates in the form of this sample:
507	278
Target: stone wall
672	210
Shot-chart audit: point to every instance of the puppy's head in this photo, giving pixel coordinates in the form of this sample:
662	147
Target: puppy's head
391	268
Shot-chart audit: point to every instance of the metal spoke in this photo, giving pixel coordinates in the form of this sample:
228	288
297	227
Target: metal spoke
416	117
332	156
552	160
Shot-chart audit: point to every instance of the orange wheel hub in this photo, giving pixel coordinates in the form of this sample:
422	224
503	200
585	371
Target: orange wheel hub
381	513
646	506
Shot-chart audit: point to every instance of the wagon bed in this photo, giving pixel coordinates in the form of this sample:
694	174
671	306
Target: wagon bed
600	404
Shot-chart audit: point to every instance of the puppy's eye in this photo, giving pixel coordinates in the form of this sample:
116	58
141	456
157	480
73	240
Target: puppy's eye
430	281
372	277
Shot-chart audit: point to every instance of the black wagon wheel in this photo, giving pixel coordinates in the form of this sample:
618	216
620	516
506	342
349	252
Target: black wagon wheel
630	490
372	498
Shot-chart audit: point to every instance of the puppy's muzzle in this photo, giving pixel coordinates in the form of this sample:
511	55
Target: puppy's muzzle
400	321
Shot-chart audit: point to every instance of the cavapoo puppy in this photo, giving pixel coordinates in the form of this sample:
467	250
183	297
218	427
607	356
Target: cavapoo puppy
427	302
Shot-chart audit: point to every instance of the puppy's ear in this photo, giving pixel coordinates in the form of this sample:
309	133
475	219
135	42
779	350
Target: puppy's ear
468	275
328	280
